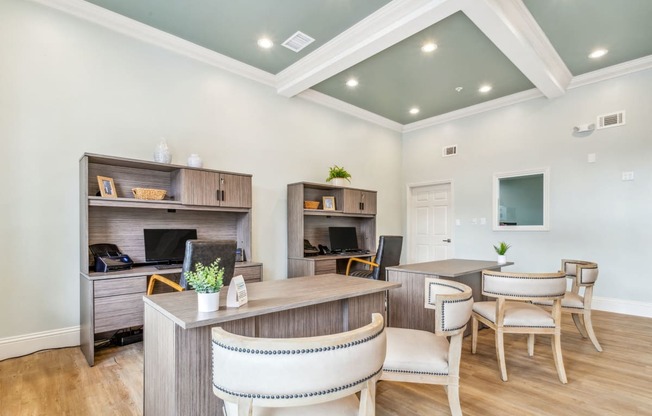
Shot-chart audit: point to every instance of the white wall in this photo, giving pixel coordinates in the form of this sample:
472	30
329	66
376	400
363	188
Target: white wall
69	87
594	214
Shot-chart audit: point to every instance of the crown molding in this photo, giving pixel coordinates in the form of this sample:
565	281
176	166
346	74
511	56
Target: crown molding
339	105
129	27
474	109
389	25
614	71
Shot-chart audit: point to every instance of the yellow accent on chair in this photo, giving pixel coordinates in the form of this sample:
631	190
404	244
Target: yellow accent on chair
387	255
299	376
512	312
584	274
157	277
418	356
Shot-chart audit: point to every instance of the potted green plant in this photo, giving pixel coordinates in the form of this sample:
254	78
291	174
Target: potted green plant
337	175
207	282
501	249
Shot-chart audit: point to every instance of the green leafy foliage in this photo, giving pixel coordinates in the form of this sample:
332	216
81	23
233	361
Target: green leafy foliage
502	248
206	279
337	172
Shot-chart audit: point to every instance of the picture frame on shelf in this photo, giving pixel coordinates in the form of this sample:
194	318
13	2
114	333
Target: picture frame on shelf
328	202
107	187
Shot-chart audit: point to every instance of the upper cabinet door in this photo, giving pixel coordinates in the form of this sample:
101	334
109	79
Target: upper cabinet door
359	202
235	191
200	188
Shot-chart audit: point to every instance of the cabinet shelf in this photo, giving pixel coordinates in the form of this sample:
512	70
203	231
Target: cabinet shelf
336	213
98	201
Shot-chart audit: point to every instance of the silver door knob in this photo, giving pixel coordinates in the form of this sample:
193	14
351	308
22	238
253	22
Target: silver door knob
448	240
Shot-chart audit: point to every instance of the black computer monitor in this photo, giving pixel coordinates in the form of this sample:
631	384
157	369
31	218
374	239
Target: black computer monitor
166	245
343	239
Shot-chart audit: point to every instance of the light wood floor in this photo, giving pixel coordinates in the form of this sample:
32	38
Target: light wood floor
617	381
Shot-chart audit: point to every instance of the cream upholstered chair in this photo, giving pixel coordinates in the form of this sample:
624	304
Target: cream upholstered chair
512	312
424	357
299	376
584	274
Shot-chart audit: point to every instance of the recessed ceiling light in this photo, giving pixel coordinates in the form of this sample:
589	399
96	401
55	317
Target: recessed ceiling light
265	43
598	53
459	89
485	88
352	83
414	110
429	47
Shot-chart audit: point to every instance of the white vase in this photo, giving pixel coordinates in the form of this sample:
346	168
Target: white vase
208	302
502	259
194	161
338	181
162	152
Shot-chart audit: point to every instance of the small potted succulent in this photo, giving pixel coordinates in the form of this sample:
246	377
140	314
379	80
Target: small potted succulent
207	282
337	175
501	249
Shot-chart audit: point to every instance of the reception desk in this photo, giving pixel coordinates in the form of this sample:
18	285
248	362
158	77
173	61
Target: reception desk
406	305
177	338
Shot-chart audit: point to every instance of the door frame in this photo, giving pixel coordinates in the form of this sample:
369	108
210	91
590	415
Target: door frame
409	219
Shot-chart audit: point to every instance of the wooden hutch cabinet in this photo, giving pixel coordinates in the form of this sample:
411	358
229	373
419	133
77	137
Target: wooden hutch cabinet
353	208
216	204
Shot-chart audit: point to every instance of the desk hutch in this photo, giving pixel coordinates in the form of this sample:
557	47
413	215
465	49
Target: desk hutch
353	208
216	204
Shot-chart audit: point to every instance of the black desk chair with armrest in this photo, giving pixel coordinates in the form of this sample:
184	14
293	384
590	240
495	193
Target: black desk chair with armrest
387	255
204	252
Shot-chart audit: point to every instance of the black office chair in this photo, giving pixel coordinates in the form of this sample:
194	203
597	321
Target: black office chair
204	252
387	255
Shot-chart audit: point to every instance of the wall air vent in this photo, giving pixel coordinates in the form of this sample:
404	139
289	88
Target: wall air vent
611	120
298	41
449	151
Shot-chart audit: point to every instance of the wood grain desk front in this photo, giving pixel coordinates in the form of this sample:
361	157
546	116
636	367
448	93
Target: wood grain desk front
322	264
406	305
177	339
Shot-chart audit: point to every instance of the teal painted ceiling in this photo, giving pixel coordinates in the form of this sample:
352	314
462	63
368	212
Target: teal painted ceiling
518	47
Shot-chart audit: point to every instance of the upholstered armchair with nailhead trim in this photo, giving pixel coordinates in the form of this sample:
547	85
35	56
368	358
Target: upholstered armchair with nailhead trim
299	376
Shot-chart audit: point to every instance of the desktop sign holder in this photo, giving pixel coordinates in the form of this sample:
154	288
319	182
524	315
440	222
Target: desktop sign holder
237	294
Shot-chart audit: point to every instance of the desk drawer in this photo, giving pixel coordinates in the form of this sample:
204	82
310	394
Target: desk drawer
325	266
116	312
250	274
124	286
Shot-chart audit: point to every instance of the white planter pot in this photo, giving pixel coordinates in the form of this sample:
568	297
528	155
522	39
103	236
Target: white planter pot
502	259
208	302
338	181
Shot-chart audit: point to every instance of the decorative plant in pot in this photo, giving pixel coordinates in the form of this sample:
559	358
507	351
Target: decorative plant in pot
207	282
337	175
501	249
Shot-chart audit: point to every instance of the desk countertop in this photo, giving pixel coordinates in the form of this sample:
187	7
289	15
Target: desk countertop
266	297
450	267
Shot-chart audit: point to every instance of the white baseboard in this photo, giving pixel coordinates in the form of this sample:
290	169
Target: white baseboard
627	307
29	343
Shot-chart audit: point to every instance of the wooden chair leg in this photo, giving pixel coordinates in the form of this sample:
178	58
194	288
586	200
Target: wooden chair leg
559	361
245	407
367	401
530	345
579	325
500	352
474	334
454	400
588	325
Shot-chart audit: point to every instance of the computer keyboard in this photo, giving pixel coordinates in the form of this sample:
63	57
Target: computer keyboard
167	266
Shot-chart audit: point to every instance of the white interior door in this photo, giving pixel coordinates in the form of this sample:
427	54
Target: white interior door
430	223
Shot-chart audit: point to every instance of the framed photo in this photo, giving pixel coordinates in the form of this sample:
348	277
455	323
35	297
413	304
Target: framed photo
107	188
328	202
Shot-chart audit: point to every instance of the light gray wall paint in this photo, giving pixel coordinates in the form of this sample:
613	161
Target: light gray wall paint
594	214
69	87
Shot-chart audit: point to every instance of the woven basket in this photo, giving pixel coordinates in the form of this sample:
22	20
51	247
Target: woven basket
150	194
311	204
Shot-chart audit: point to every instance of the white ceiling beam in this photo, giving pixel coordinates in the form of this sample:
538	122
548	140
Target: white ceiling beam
511	27
391	24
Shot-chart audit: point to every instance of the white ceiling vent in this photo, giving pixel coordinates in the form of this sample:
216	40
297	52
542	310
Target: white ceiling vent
449	151
298	41
611	120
